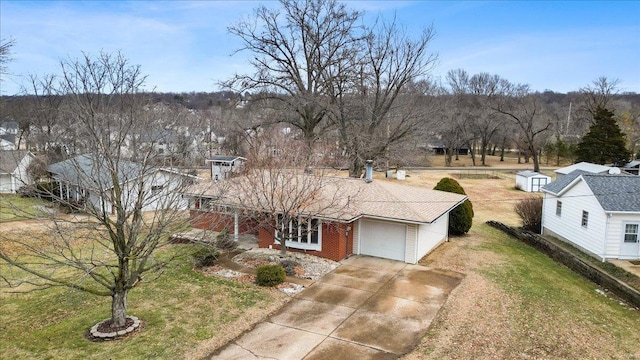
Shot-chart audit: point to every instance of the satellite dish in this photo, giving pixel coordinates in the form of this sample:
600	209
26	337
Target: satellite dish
614	171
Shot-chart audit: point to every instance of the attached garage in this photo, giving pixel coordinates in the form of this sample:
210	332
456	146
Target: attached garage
383	239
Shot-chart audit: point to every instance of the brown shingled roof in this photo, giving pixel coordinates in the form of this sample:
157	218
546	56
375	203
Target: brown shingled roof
379	199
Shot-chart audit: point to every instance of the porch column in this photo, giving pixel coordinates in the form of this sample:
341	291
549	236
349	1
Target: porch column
235	226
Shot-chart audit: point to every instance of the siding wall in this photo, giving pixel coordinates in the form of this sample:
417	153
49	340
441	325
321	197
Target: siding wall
568	224
615	232
432	235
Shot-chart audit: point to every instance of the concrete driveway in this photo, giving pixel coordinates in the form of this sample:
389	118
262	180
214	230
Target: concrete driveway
367	308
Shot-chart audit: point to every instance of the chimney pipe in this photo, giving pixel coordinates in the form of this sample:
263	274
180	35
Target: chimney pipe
368	173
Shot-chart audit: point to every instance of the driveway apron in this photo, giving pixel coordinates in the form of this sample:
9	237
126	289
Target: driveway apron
367	308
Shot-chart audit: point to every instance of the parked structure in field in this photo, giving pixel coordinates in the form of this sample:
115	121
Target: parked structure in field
85	181
383	219
223	166
531	181
13	170
599	213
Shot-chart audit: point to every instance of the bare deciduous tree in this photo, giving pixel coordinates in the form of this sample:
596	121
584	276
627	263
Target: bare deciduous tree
598	95
387	98
295	51
108	252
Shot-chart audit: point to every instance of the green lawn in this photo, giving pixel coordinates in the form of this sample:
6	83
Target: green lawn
553	301
180	312
14	207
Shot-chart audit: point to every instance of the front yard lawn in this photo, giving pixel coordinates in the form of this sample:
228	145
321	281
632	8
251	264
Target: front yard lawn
15	207
184	314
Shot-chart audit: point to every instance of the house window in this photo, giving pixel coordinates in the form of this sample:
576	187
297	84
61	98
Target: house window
585	218
300	233
631	233
559	208
156	189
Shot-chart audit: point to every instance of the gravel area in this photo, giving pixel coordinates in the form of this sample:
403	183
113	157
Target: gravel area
310	267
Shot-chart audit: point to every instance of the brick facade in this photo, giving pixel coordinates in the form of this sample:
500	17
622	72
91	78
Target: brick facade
206	220
336	242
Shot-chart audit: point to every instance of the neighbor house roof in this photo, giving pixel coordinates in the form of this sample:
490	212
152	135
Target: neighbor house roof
585	166
224	158
615	193
10	159
632	164
377	199
91	171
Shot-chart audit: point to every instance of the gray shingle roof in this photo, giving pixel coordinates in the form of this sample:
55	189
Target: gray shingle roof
616	192
613	192
556	187
92	172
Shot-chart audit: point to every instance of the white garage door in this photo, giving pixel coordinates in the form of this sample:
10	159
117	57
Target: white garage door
382	239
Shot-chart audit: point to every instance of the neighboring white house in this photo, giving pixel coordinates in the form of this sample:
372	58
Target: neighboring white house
13	170
531	181
222	166
599	213
582	166
85	182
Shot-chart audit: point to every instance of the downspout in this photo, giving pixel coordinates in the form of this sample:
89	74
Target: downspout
606	231
544	202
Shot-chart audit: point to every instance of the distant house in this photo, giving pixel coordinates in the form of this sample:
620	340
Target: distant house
84	181
531	181
633	167
582	166
599	213
223	167
9	131
13	170
384	219
440	148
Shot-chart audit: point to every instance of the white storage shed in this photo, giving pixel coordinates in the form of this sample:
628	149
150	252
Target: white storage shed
531	181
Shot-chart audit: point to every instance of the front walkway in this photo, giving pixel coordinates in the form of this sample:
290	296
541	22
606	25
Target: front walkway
366	308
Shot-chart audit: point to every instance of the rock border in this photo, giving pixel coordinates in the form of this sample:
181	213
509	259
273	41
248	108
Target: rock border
99	335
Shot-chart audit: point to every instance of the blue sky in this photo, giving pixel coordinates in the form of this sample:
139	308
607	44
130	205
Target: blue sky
184	46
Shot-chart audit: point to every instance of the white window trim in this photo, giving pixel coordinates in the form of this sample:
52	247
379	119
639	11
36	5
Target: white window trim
300	245
624	232
558	208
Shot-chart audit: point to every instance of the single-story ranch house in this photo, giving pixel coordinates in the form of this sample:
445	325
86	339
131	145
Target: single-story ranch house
599	213
383	218
85	181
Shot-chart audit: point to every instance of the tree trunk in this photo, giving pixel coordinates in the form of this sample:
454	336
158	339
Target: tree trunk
118	308
536	159
356	168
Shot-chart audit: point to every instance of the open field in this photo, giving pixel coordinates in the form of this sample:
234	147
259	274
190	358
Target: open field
513	303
